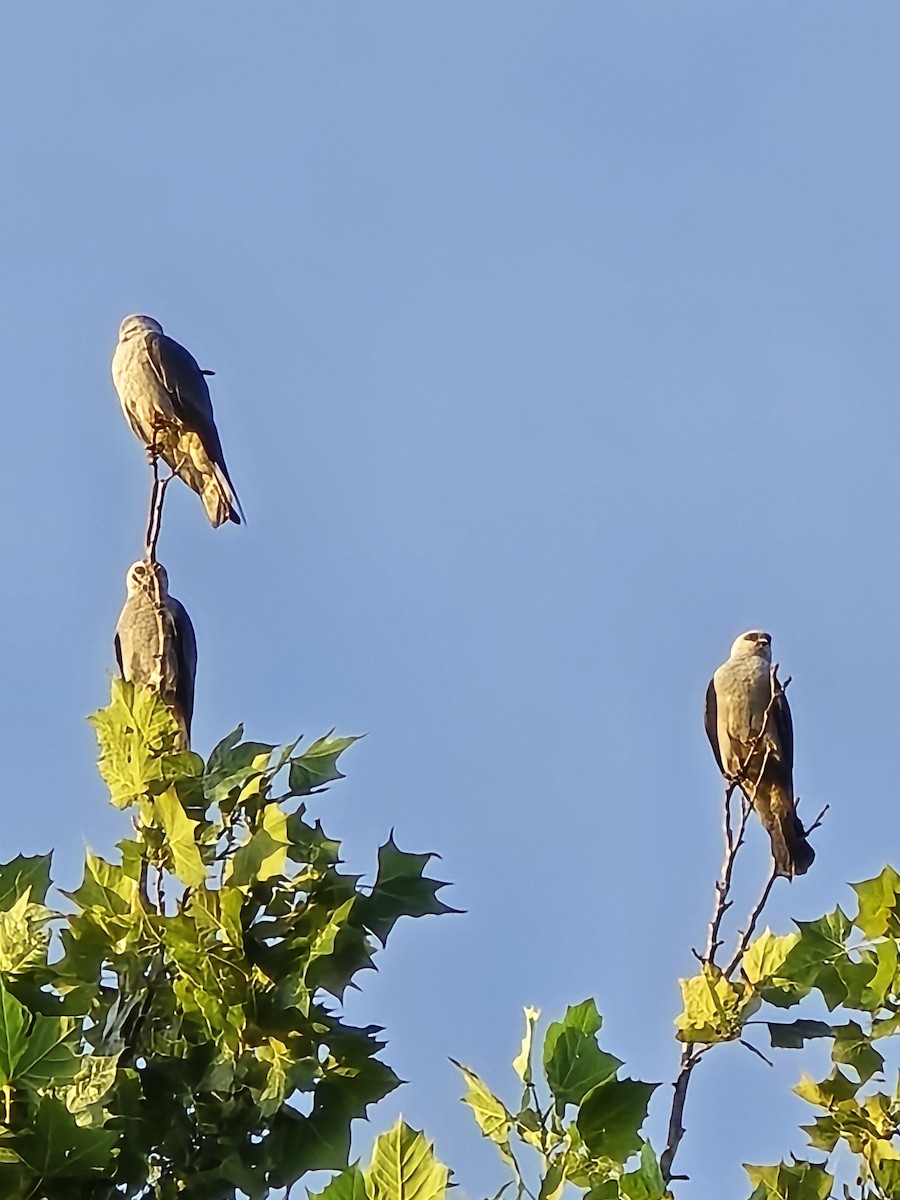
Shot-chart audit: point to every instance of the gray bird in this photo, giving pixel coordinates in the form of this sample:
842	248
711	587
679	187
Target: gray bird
165	398
155	641
760	761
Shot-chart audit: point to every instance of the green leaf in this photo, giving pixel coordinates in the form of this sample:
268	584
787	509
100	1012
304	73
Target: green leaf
23	938
494	1120
404	1167
318	764
611	1116
715	1008
793	1035
831	1091
48	1055
886	1173
14	1018
139	744
232	766
878	906
854	1049
522	1061
24	875
95	1076
573	1061
799	1181
766	955
264	856
180	838
553	1182
881	983
349	1185
400	890
813	960
646	1183
54	1146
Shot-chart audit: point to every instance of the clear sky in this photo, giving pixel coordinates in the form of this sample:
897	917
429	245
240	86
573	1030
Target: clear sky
555	345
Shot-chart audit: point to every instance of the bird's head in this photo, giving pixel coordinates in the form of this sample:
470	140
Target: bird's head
136	324
140	578
755	642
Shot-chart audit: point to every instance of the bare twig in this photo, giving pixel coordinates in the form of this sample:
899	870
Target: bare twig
818	821
734	839
690	1056
751	924
157	499
733	843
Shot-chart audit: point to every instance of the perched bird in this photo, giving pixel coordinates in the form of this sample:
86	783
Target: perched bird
165	398
155	641
760	761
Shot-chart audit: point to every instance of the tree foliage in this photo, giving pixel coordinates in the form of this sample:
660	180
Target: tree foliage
176	1031
578	1121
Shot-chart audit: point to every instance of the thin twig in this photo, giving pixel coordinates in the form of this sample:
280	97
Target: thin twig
734	839
723	883
149	539
690	1056
751	925
157	499
817	822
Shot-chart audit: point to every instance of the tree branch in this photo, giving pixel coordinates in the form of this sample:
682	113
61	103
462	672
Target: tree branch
733	839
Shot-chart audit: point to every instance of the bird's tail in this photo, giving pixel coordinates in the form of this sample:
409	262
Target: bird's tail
792	853
219	499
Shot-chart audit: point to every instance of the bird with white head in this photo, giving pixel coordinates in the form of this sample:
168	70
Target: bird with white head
166	401
155	641
749	726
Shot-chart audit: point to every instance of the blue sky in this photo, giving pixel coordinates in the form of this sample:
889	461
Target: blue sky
555	345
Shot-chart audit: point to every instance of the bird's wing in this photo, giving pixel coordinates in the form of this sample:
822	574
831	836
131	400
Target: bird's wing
180	374
118	645
711	721
186	657
782	727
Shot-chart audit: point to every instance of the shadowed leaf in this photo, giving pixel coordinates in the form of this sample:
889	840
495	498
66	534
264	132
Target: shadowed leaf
573	1061
611	1116
400	890
318	764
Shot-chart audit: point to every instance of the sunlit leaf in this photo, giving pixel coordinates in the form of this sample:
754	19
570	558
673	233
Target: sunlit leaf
494	1120
349	1185
140	744
646	1182
404	1167
715	1008
522	1061
797	1181
854	1049
180	838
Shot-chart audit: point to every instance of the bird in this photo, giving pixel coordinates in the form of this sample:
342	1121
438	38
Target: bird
155	641
165	398
743	694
